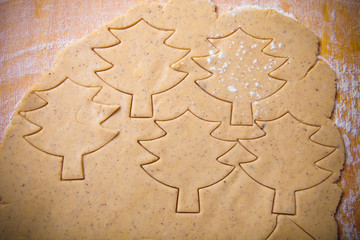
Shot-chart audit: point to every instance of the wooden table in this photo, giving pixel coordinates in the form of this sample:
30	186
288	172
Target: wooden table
33	31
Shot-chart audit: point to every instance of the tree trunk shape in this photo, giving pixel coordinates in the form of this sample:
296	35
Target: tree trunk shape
241	113
284	202
72	168
188	201
141	105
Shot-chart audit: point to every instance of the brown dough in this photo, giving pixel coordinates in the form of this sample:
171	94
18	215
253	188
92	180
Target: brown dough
175	123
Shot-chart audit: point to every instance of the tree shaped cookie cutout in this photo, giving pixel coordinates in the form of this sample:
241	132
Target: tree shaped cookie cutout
240	73
70	125
286	160
187	159
141	65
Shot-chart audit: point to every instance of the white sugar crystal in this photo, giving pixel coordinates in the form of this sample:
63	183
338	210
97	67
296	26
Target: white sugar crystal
222	55
208	60
232	89
212	52
273	46
280	45
252	93
255	61
254	45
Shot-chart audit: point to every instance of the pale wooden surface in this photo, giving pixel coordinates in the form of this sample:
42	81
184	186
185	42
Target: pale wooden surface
33	31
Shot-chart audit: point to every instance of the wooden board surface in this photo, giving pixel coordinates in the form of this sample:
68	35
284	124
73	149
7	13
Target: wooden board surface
33	31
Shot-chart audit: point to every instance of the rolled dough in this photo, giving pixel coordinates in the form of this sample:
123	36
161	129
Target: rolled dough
176	123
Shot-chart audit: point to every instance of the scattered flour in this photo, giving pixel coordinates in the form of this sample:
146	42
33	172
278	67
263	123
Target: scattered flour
221	55
232	89
272	44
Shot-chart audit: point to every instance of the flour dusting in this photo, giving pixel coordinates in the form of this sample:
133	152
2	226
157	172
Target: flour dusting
232	89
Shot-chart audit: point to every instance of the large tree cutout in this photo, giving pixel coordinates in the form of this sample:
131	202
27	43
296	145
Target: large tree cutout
240	73
141	65
70	125
286	160
187	160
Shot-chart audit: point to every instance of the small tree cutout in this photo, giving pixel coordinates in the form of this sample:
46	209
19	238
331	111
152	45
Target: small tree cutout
187	160
63	133
141	65
240	73
286	160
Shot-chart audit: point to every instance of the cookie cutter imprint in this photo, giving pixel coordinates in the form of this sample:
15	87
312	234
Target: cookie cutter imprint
189	167
141	67
59	136
236	74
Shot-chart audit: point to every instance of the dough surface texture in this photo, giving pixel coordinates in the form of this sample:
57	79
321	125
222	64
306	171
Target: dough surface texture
174	122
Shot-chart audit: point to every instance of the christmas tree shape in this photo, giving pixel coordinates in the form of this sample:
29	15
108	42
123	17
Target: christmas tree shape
286	158
70	125
191	165
141	65
240	73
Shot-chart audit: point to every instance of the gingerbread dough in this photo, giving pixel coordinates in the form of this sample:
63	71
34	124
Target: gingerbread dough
176	123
